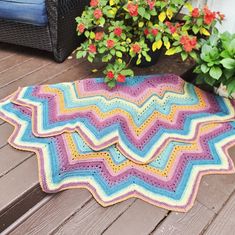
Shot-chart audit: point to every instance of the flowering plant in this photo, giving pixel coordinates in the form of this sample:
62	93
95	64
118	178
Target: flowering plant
216	65
119	30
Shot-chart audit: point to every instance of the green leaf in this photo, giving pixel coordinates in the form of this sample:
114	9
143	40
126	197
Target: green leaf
106	80
79	54
119	54
210	81
206	49
231	47
216	72
197	69
162	16
171	51
147	16
87	34
157	45
231	87
228	63
214	53
193	54
127	72
90	59
141	11
204	68
102	50
229	73
112	83
225	54
195	29
184	56
102	21
147	57
92	35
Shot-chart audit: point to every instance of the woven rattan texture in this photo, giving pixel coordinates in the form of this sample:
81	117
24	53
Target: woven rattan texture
25	35
58	37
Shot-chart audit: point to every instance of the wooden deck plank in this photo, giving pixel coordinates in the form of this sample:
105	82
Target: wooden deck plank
74	74
12	158
5	53
5	131
16	183
21	206
51	71
215	190
140	218
93	218
224	223
193	222
211	196
12	61
22	70
55	212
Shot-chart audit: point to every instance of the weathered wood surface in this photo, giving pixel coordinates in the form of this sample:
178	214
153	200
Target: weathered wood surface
192	222
140	218
75	211
93	219
224	222
59	209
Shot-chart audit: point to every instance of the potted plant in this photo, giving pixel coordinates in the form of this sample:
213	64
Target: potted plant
216	63
120	31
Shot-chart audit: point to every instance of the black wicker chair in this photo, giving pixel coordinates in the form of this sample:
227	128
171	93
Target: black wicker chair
58	37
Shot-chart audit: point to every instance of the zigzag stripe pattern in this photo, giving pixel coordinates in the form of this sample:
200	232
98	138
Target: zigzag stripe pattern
142	117
170	181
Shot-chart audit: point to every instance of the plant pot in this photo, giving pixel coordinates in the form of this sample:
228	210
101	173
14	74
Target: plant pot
155	55
190	76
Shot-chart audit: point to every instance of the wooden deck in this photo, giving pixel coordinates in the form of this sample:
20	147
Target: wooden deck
25	209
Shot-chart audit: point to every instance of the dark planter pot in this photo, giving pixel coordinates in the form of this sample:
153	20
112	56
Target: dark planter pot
155	55
191	77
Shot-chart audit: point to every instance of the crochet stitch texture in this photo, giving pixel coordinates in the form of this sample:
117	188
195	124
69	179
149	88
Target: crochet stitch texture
152	138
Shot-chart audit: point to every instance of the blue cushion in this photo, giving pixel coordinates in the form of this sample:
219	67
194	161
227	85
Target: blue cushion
24	11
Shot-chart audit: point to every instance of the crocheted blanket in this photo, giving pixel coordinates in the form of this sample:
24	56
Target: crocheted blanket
152	138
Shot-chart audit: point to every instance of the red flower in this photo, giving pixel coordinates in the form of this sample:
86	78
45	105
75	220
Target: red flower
171	27
209	16
92	48
99	36
154	32
146	32
110	43
136	48
110	75
94	3
118	31
97	13
195	13
151	4
188	43
121	78
81	28
133	9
